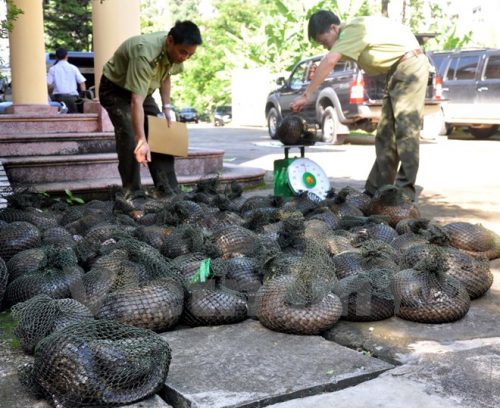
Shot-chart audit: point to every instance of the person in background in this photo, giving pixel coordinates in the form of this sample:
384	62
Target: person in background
138	67
64	79
379	46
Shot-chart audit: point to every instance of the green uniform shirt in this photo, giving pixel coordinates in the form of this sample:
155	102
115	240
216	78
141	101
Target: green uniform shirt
375	43
141	63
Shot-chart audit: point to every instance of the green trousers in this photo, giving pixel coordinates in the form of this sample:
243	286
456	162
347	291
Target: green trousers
116	101
398	132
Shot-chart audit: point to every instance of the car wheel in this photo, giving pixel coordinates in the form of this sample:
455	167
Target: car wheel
483	132
329	127
272	122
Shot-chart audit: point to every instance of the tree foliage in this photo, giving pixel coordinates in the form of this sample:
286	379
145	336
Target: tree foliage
68	24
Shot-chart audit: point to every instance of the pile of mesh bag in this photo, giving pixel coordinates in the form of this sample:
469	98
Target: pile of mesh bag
90	286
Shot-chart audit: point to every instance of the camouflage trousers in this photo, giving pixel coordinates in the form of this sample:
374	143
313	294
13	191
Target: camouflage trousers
398	132
116	101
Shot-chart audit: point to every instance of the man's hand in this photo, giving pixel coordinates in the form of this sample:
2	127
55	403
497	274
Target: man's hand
298	103
142	152
166	112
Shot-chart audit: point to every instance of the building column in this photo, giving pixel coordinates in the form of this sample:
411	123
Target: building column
27	61
113	22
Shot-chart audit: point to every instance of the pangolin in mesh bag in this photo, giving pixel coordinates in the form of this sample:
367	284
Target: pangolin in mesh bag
367	296
474	239
241	274
41	315
378	231
390	201
305	203
370	255
301	302
35	216
257	219
97	239
292	131
251	203
339	205
26	261
472	272
153	235
188	265
16	237
54	279
4	277
356	198
100	363
232	240
155	305
183	240
326	215
416	226
58	236
292	232
209	305
425	293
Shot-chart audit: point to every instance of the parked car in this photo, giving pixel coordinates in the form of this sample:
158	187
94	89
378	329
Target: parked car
188	114
222	115
345	101
471	88
61	106
84	61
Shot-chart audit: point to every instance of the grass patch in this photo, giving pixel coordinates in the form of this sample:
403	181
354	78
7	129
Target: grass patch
7	326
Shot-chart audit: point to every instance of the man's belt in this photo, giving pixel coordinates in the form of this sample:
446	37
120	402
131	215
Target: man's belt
409	54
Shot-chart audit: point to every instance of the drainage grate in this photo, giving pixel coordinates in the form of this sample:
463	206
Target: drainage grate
5	188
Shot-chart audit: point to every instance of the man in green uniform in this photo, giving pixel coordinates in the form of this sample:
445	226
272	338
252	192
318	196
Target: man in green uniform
138	67
379	45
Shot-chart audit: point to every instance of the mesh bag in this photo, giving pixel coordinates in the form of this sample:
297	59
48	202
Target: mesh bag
251	203
292	131
182	240
299	299
292	231
381	232
51	281
356	198
40	219
29	260
426	294
188	265
475	239
4	276
367	296
207	305
97	239
303	203
403	242
155	305
221	218
100	363
326	215
153	235
58	236
16	237
233	240
255	220
390	201
472	272
41	315
240	274
412	225
340	207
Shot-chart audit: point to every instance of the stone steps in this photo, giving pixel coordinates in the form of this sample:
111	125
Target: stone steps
15	124
62	143
84	173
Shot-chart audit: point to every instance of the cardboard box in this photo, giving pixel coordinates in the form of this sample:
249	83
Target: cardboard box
171	140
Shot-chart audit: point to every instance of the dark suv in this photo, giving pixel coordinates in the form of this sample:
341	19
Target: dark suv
188	114
346	100
471	85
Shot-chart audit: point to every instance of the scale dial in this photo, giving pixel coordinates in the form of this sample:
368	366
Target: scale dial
304	175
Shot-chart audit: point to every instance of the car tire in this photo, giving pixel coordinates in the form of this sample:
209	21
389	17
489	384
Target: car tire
273	122
483	132
329	127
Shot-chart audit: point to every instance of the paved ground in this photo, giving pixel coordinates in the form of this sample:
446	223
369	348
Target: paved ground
447	366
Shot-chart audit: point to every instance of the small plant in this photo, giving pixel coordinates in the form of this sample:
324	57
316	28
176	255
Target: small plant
72	199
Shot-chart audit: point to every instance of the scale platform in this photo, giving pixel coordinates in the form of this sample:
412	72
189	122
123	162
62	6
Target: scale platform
296	175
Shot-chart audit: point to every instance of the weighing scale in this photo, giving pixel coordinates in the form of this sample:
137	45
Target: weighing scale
296	175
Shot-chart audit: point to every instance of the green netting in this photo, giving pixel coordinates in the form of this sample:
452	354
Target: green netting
16	237
100	363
